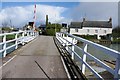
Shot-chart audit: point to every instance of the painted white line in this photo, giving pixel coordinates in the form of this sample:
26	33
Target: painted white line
8	61
66	70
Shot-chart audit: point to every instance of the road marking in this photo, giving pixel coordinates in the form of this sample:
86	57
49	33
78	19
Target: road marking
65	68
8	61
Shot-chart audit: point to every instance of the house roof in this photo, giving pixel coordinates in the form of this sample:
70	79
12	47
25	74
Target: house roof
99	24
75	25
42	26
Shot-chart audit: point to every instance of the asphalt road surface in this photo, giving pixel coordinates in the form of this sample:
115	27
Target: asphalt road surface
41	50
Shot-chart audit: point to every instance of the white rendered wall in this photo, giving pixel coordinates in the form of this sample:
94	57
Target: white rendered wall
91	31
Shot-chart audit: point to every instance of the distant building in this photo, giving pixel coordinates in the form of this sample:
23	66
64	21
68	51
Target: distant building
42	28
99	28
28	26
64	27
15	29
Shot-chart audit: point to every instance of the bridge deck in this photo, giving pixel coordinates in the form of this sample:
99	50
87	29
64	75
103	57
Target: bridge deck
42	50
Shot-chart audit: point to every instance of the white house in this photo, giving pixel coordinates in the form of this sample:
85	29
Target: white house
99	28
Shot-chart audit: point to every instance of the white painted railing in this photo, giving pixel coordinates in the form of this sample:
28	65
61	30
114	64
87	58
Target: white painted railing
20	37
86	55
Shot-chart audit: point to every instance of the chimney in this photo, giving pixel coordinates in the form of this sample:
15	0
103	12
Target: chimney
83	19
46	20
110	20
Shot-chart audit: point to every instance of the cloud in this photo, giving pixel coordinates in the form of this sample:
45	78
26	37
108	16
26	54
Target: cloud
60	1
96	11
119	13
20	15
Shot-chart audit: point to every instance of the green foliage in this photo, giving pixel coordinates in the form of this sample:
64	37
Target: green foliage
6	29
53	26
116	32
9	37
116	41
50	30
12	36
88	37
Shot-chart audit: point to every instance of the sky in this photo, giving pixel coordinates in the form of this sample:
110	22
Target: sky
20	13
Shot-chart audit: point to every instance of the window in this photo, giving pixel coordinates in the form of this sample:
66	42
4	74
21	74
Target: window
105	31
76	29
96	31
88	30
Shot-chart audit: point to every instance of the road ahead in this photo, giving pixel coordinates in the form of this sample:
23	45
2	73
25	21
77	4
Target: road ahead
44	52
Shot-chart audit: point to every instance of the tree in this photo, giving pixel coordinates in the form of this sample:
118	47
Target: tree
8	29
5	27
116	32
50	30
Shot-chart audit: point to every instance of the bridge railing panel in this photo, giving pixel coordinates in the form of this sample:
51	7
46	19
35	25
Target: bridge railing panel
66	41
20	37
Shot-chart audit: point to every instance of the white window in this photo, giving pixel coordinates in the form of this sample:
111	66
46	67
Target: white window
96	31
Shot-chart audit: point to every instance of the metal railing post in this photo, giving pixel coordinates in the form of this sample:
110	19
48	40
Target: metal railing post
61	34
4	46
84	58
27	33
66	43
73	48
117	68
16	41
36	33
23	34
33	33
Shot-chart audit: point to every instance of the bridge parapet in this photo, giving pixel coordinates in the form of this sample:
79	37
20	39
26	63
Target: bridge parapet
64	40
20	37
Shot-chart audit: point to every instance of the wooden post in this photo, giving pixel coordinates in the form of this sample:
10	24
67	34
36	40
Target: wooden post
4	46
84	58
